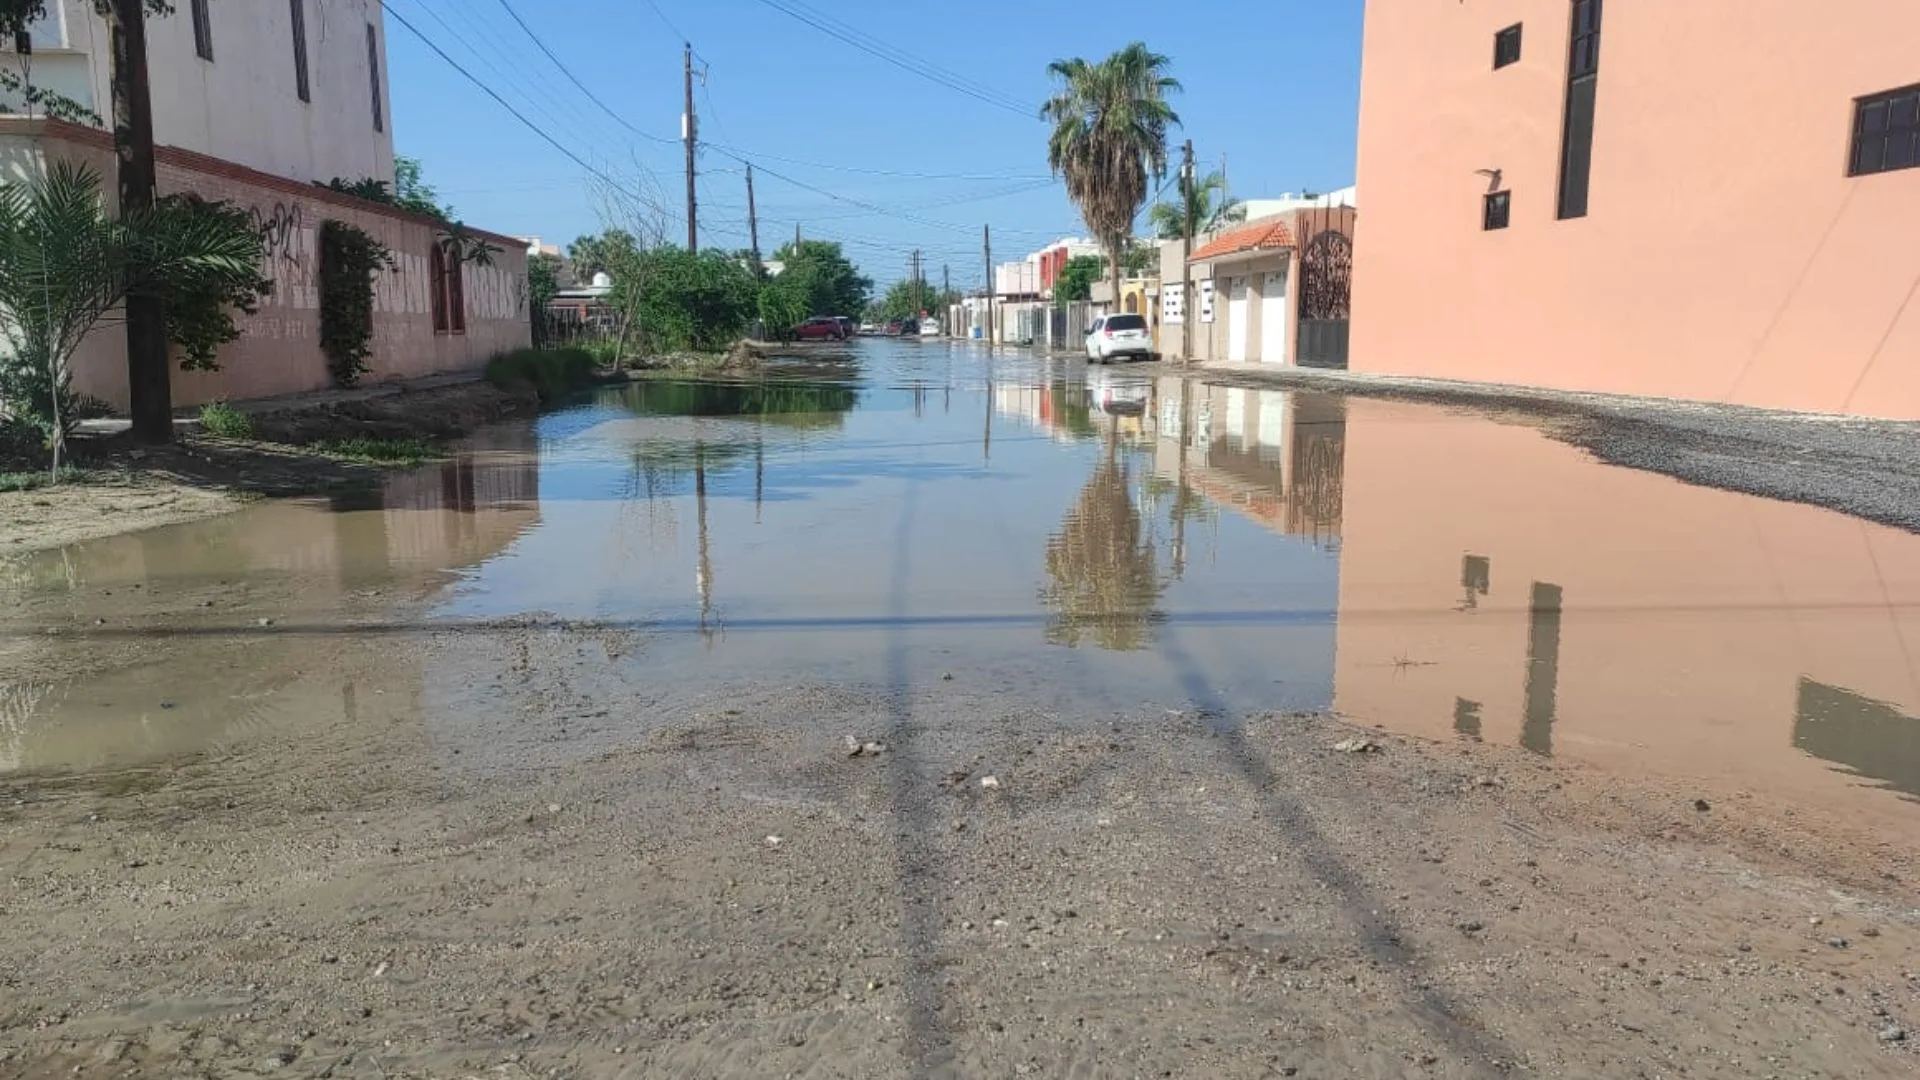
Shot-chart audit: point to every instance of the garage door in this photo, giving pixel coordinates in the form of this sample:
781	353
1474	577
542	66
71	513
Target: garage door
1273	319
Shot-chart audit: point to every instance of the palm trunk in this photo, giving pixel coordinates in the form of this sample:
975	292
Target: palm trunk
1114	254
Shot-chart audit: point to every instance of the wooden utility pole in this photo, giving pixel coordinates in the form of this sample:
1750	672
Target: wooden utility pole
946	282
986	244
919	292
753	222
796	238
149	378
1189	310
690	134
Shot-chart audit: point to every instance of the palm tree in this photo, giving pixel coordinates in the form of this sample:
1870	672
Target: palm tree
1104	583
1208	203
1110	122
64	264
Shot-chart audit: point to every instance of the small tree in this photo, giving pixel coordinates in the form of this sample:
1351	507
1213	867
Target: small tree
1077	277
64	264
688	301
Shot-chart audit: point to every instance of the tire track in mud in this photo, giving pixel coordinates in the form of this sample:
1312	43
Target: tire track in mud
1432	1008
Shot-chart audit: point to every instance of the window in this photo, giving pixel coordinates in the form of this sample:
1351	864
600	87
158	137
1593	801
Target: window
1493	214
1506	47
1886	132
1125	322
300	50
202	30
373	71
449	290
1576	139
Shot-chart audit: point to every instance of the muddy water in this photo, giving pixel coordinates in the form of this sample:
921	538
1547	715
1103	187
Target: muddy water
1069	542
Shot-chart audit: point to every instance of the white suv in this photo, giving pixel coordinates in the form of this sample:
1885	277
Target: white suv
1113	336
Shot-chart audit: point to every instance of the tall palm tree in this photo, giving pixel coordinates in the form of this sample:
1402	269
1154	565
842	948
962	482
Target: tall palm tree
1110	122
1208	203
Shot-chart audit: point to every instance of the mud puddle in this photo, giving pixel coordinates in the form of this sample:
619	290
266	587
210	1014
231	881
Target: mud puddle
1082	542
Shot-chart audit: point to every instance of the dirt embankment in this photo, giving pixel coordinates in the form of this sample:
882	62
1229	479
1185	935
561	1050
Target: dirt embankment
125	489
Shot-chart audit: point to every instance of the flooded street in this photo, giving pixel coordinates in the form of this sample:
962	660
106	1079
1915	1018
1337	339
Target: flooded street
533	762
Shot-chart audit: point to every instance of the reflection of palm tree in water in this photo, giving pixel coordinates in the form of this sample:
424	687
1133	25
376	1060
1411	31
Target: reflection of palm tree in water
1105	581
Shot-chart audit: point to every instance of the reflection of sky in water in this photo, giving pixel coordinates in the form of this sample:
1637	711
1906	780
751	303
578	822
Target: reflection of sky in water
918	515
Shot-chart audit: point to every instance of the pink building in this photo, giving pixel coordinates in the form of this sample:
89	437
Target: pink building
1715	199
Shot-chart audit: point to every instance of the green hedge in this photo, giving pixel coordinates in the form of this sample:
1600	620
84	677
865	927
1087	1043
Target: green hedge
552	372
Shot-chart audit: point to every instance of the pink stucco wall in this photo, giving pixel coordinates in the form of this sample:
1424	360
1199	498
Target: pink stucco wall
1726	255
279	348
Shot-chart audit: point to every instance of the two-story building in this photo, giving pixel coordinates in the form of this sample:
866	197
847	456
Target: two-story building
257	103
1706	199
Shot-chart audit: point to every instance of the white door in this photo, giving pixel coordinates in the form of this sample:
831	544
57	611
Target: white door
1237	301
1273	318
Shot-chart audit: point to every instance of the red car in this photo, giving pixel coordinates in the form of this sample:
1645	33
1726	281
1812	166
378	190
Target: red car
820	328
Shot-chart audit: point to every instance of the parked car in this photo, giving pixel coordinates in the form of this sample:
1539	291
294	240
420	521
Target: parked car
1116	394
820	328
892	329
910	328
869	329
847	327
1114	336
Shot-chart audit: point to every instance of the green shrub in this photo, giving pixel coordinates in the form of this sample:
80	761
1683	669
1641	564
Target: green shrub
551	372
221	419
381	451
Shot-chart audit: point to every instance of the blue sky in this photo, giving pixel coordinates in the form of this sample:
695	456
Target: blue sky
1272	86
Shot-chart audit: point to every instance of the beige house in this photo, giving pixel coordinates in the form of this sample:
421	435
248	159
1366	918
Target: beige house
255	103
1271	291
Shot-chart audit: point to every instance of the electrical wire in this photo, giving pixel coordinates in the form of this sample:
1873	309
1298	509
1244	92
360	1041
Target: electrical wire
571	77
520	116
898	58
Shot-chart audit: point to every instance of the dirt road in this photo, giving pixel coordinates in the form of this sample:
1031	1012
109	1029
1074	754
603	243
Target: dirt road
357	892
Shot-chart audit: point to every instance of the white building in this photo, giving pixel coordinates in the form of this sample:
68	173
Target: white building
1288	202
254	103
296	88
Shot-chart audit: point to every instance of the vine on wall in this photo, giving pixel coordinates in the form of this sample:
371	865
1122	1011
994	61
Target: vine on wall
349	259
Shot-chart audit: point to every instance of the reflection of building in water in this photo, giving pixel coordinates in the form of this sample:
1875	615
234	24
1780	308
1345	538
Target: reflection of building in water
1275	456
294	559
1496	584
1871	738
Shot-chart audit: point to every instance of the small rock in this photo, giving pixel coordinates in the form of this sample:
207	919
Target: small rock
853	746
1837	942
553	808
1701	805
1357	746
990	782
1815	921
1893	1034
166	705
947	677
773	841
1471	926
380	969
1871	931
266	622
873	749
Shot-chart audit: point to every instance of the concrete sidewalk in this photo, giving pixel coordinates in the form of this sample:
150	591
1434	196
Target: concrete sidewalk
188	419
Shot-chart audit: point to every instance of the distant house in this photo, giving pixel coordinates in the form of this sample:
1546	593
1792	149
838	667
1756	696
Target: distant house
1272	290
254	103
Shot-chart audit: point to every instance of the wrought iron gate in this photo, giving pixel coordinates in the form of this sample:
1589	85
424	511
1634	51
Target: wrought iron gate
1326	296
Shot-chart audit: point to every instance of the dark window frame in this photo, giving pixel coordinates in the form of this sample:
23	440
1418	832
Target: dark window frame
1890	134
1507	46
1577	123
373	72
202	30
1496	210
437	286
302	79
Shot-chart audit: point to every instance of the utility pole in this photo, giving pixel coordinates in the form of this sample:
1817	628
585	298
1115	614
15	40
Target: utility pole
149	378
986	244
919	293
796	238
690	133
1189	310
946	282
753	222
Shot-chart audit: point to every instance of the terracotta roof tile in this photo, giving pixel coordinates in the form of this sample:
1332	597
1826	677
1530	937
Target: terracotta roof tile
1254	237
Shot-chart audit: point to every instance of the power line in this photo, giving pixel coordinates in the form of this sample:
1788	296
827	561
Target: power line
518	115
669	22
910	63
568	72
881	172
536	100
